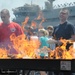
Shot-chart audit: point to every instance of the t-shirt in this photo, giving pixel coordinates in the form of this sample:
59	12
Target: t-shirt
43	41
6	31
34	38
64	31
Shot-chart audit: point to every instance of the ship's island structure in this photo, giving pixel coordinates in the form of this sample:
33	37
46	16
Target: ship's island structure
47	16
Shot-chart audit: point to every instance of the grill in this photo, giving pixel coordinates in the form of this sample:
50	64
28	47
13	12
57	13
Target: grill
38	64
21	66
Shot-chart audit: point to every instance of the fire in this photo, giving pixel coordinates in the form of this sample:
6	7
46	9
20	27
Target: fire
3	53
24	46
28	48
33	24
61	52
40	16
25	22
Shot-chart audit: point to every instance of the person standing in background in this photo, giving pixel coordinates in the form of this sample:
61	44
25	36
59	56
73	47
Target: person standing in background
64	30
50	29
43	38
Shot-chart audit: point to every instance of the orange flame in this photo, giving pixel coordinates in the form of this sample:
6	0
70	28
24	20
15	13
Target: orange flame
33	24
23	46
61	52
28	48
40	16
25	22
3	53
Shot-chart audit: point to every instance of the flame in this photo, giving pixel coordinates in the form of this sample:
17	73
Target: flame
33	24
40	25
40	16
61	52
28	48
3	53
25	22
24	46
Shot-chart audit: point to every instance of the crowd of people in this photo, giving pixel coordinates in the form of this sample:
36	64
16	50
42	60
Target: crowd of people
64	30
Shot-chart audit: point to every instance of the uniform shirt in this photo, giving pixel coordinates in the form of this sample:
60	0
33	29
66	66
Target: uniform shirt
64	31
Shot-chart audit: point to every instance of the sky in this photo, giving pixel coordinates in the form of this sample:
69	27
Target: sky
12	4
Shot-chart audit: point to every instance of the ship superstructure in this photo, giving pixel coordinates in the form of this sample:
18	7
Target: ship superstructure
50	14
